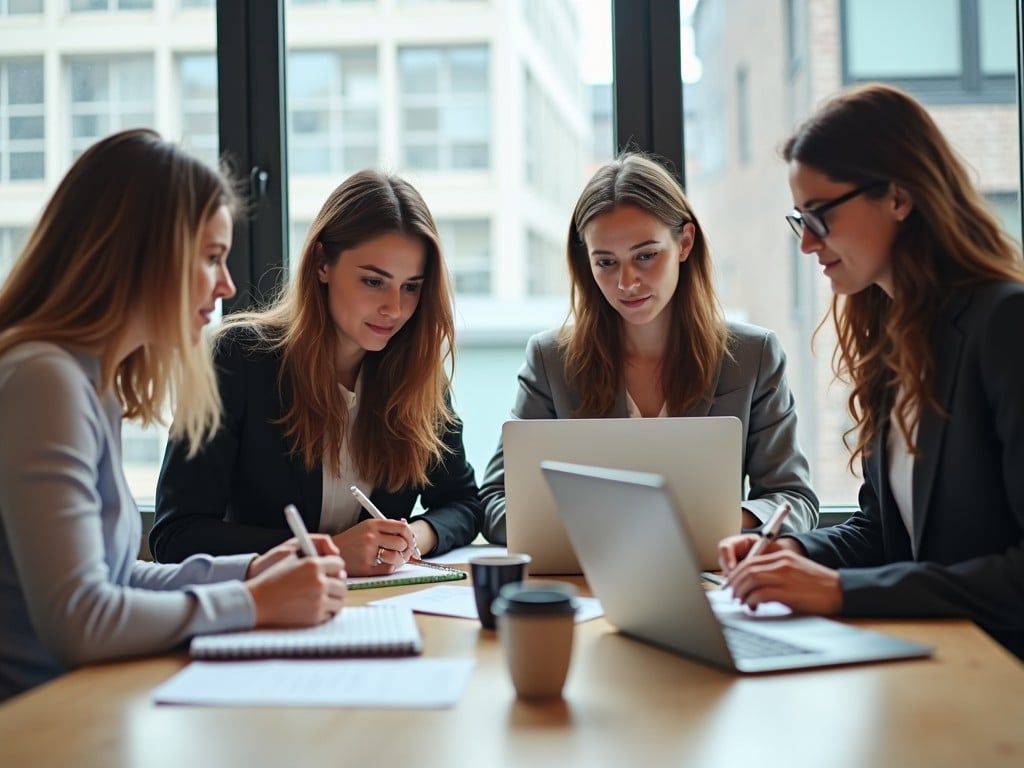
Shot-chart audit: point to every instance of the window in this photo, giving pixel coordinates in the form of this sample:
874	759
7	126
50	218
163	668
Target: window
742	116
332	111
12	240
22	147
17	7
198	101
467	250
76	6
109	94
445	107
960	49
548	271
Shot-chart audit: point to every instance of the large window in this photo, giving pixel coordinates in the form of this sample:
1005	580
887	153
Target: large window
108	94
943	50
22	123
197	74
445	107
333	111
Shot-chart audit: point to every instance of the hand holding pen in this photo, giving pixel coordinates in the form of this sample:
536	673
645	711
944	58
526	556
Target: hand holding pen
370	507
769	532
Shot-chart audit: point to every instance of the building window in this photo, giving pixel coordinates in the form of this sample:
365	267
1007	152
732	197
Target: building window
17	7
108	95
198	82
445	107
12	240
78	6
547	271
333	111
467	250
966	55
22	149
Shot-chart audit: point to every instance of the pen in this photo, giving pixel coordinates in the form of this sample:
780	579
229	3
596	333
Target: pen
370	507
769	532
291	514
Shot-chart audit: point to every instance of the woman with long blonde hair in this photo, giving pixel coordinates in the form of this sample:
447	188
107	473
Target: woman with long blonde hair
928	310
341	382
101	318
648	338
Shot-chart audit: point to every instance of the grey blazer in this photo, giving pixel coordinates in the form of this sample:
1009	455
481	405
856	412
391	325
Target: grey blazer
966	555
751	386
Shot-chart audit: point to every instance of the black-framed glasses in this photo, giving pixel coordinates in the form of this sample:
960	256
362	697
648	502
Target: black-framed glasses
814	218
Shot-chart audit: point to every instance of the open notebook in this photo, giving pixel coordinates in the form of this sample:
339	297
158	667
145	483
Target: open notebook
419	572
355	631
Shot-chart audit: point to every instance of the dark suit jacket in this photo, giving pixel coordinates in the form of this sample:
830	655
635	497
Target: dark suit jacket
966	558
751	386
230	497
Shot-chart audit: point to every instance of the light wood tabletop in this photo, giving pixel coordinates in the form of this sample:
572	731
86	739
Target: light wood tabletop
624	702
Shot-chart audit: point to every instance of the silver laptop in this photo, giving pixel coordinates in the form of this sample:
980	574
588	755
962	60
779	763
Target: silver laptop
701	459
639	561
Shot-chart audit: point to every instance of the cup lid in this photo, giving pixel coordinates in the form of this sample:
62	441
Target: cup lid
536	599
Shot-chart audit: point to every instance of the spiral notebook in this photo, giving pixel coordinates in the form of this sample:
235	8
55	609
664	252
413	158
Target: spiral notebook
356	631
419	572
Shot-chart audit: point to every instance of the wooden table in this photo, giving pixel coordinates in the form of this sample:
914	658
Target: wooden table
625	704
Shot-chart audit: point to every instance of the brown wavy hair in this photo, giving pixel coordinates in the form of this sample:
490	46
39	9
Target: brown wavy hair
122	232
593	343
950	240
403	411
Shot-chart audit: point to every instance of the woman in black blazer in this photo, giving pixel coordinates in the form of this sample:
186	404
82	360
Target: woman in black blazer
928	310
342	382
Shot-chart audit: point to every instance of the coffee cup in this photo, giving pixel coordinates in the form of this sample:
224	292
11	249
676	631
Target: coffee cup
490	573
536	623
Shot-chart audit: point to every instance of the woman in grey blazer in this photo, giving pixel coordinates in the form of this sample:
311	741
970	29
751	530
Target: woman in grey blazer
928	308
648	339
102	317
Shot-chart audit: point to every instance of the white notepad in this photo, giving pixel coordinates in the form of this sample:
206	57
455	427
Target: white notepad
355	631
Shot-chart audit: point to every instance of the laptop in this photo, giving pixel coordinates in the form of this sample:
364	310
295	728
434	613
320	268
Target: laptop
700	457
638	558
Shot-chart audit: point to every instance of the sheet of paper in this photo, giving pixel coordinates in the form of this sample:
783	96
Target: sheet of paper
725	606
462	554
384	683
450	600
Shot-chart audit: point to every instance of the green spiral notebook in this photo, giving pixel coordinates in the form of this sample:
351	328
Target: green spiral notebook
419	572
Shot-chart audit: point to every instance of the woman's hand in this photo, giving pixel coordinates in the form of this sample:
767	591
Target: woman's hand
376	547
293	591
260	563
781	573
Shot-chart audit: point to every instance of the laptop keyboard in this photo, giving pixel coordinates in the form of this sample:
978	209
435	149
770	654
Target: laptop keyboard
749	645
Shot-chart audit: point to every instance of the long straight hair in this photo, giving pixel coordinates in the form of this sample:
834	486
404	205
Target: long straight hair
403	411
950	240
698	334
120	237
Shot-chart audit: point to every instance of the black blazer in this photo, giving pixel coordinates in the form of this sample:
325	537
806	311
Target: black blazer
966	558
230	496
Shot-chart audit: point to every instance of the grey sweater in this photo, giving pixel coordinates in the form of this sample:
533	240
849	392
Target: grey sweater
71	589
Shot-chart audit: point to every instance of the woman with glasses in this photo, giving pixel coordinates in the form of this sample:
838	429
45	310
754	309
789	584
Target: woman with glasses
341	383
649	339
929	311
101	318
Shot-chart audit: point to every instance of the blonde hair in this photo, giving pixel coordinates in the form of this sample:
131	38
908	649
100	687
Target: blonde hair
121	233
403	413
593	343
949	240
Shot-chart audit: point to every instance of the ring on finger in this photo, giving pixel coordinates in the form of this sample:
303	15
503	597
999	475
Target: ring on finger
380	556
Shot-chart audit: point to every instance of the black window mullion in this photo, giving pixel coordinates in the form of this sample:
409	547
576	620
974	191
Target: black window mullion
647	79
250	73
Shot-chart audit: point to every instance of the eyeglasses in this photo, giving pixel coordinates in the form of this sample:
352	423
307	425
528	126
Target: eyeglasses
814	218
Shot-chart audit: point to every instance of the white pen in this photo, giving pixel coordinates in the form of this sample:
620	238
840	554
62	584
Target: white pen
769	532
291	514
370	507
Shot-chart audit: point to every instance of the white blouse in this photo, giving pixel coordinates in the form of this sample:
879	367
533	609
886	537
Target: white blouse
340	510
